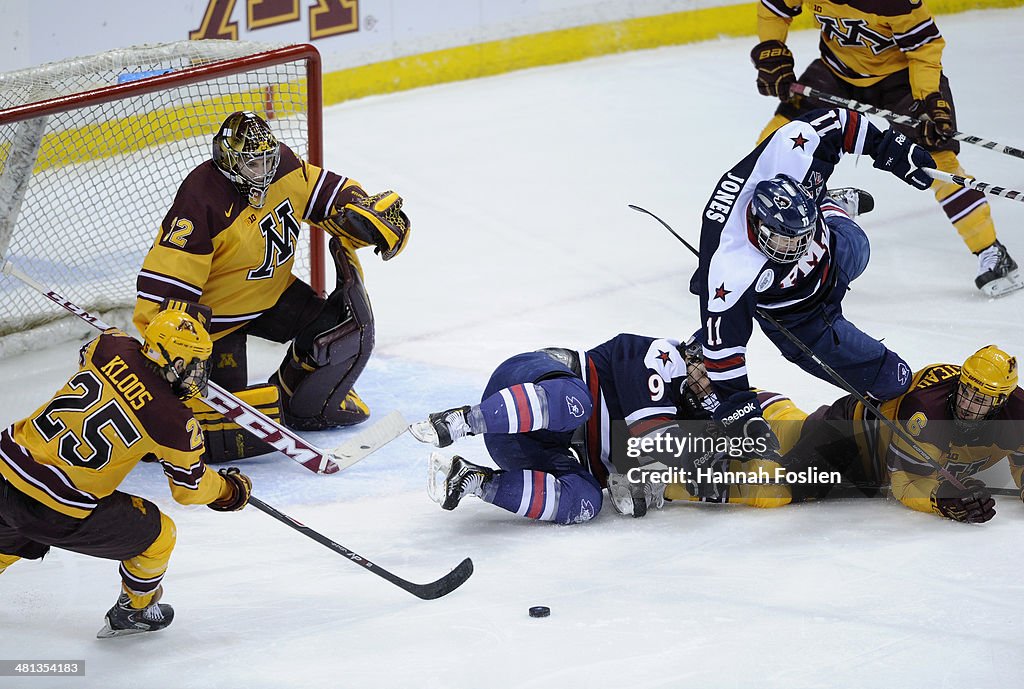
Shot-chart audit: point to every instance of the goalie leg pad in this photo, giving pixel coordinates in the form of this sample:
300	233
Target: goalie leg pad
225	440
316	385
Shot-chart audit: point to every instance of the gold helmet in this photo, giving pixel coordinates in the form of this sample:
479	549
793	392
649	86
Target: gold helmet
248	154
180	347
987	379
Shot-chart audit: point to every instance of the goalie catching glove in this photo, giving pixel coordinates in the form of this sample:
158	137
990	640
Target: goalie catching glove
376	220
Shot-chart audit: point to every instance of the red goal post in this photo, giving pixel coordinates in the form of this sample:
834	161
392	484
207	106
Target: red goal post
92	151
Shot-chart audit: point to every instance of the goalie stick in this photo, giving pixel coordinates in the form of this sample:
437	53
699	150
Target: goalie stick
248	417
802	90
838	379
435	589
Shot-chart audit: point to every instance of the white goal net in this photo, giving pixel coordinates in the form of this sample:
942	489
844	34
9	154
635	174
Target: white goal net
92	151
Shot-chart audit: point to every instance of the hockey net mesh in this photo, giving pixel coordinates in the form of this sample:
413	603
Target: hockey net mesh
83	191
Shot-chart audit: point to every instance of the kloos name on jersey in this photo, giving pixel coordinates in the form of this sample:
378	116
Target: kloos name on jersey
759	476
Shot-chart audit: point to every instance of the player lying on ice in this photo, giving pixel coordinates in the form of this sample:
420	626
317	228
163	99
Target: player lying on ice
551	421
966	418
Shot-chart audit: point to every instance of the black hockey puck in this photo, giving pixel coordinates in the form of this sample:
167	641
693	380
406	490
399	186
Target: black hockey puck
540	611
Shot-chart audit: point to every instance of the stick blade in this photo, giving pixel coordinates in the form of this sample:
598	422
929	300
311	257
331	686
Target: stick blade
369	440
445	585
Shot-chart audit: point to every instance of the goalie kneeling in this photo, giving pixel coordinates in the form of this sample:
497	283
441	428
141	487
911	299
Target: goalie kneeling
229	242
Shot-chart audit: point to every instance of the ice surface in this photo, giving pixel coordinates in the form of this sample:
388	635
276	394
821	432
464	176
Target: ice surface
517	187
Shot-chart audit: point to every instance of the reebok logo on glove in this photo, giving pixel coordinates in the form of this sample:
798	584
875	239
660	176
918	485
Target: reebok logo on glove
739	414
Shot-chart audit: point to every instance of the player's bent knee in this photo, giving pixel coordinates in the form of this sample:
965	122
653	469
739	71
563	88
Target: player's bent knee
893	377
568	402
579	500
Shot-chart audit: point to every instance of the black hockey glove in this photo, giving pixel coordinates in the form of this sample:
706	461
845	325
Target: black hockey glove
748	429
972	503
241	489
937	121
897	154
774	64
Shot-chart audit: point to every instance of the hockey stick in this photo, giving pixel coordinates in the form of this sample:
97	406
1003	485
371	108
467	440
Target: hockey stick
435	589
248	417
369	440
802	90
836	378
972	183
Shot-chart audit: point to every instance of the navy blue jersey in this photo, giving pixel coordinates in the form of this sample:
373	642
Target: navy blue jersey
631	378
734	278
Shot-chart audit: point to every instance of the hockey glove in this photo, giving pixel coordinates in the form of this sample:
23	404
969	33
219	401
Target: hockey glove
378	220
774	63
972	503
937	123
241	489
748	429
897	154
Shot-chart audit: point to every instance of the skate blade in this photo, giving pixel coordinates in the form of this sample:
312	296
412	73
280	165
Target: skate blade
109	633
1005	285
438	467
424	432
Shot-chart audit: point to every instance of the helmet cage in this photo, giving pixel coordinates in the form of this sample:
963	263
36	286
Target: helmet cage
782	216
972	404
188	379
697	392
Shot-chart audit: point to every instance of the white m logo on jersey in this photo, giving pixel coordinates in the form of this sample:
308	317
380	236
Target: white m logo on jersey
281	231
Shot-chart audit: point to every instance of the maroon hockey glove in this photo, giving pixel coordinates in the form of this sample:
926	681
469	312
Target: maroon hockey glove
241	489
897	154
972	503
774	63
937	123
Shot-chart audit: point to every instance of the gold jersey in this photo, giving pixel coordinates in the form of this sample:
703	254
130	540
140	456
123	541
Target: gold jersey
114	412
215	249
864	41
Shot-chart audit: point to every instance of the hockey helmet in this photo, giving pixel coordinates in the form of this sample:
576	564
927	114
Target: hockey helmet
180	347
782	215
248	154
697	393
987	379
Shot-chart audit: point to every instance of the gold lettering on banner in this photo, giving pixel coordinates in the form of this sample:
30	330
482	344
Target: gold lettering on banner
217	22
333	17
326	17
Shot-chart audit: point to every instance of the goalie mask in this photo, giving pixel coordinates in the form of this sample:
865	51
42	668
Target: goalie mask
782	217
180	347
987	379
248	154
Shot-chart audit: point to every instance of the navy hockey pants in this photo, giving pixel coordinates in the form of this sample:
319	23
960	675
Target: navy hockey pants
541	477
863	362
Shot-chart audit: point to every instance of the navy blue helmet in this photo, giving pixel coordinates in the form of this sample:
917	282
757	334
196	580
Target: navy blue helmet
783	214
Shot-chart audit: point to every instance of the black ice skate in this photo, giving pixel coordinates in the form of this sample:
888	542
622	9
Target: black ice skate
450	480
123	619
997	272
442	428
854	201
634	499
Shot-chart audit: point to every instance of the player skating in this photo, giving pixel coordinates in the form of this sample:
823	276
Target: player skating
886	54
229	242
61	466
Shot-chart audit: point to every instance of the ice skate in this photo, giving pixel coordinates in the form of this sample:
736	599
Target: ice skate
123	619
443	428
854	201
451	479
634	499
997	272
